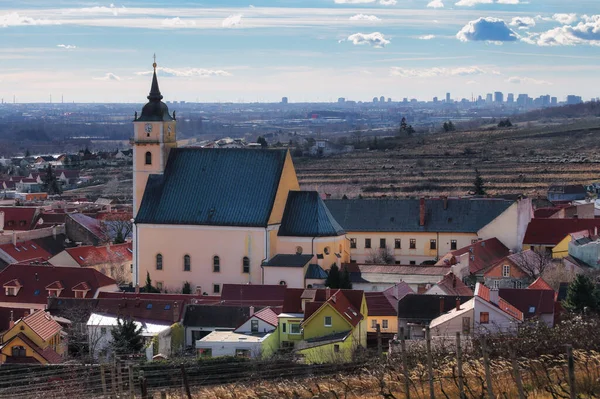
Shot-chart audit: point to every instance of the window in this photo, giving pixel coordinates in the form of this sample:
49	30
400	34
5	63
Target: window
506	271
149	306
384	323
532	309
496	284
242	353
254	326
18	351
374	323
518	285
412	262
11	291
79	294
298	250
327	321
159	262
187	266
353	243
205	352
216	264
294	328
382	244
159	285
367	243
216	288
103	330
326	250
432	244
413	243
336	348
53	293
148	158
283	327
453	245
397	243
246	265
282	282
484	318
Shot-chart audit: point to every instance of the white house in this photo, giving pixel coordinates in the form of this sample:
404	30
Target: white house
486	312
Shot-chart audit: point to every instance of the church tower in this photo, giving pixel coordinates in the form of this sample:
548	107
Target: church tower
154	136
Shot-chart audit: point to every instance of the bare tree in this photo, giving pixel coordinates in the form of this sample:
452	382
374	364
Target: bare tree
533	263
117	227
381	256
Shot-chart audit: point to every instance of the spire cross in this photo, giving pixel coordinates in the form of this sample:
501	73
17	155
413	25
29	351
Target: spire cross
154	64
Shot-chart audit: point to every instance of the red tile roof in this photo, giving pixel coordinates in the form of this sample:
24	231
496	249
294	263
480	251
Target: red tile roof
19	218
186	298
25	251
484	293
251	294
89	255
94	226
42	324
35	279
268	315
552	231
540	301
345	302
379	305
166	311
540	284
481	254
451	285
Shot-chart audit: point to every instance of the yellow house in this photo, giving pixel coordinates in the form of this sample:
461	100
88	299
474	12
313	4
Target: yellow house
35	338
383	308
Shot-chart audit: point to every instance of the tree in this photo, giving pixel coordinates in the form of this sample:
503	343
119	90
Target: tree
410	130
445	126
149	287
51	183
345	282
333	277
262	141
127	337
382	256
478	185
187	288
533	263
27	153
449	126
582	295
117	227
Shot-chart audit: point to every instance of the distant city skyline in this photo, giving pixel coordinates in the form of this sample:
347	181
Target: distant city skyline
306	50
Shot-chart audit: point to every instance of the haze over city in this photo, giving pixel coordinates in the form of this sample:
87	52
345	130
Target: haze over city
308	51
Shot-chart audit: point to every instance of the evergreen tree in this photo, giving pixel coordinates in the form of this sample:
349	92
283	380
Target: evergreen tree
27	153
187	288
582	295
51	183
127	337
119	238
410	130
345	282
478	185
149	288
445	126
451	126
262	141
333	277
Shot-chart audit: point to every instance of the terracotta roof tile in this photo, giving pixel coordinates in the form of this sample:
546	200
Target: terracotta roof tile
540	284
552	231
268	315
482	291
19	218
451	285
481	254
379	305
541	301
42	324
510	309
25	251
89	255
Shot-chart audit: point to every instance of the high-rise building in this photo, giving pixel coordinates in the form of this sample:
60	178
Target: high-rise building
284	100
382	99
554	101
498	97
510	98
545	100
341	100
571	99
522	100
375	100
389	100
448	98
435	100
489	98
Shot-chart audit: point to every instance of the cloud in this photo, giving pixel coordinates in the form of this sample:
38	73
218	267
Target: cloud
364	17
487	29
525	80
374	39
109	77
437	72
586	32
98	10
14	19
387	2
66	46
232	20
522	22
435	4
187	72
565	19
177	23
471	3
354	1
427	37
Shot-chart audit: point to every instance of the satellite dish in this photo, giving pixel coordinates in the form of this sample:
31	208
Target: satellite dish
40	221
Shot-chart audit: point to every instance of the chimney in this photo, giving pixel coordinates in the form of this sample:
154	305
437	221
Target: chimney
457	303
494	296
54	232
137	288
445	202
442	305
453	280
175	312
1	221
11	324
422	212
327	293
251	311
26	313
15	238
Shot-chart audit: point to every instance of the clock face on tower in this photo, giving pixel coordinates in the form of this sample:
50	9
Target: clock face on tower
148	127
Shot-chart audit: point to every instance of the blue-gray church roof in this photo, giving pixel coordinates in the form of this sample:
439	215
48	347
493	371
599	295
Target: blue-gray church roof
306	215
403	215
218	187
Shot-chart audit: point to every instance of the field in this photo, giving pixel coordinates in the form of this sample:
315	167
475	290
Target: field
521	160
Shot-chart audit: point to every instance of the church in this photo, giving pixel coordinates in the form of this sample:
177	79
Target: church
208	217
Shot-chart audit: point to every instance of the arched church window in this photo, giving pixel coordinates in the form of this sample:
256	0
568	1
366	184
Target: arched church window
148	158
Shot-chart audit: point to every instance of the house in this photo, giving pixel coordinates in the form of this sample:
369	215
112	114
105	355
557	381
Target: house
543	235
470	260
111	260
450	285
256	337
571	192
251	210
18	218
26	251
514	271
294	271
372	278
532	302
85	229
68	177
413	231
595	204
35	338
383	308
28	286
415	312
485	313
585	247
201	320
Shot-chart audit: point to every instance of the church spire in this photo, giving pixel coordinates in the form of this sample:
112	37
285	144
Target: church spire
154	90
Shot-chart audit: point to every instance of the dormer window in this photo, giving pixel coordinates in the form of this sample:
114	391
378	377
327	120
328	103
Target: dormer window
53	293
11	291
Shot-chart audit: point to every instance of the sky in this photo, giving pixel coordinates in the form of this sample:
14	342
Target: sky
307	50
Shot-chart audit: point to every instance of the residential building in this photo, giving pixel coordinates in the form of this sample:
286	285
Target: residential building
512	271
383	309
533	303
572	192
585	247
415	231
35	338
543	235
26	251
18	218
450	284
86	230
485	313
472	259
373	278
201	320
415	312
